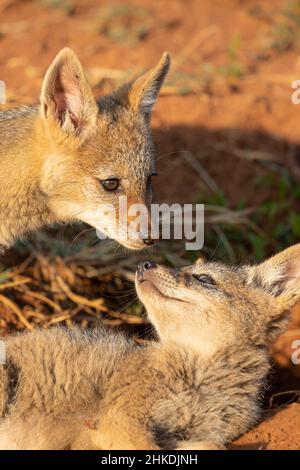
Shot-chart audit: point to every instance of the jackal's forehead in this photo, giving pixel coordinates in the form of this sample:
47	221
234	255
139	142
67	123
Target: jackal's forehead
218	271
123	144
221	279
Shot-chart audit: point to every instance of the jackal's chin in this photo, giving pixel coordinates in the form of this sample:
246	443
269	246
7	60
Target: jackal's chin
146	289
150	293
131	244
114	234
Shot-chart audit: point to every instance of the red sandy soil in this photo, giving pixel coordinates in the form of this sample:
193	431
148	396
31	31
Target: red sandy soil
226	110
280	430
219	115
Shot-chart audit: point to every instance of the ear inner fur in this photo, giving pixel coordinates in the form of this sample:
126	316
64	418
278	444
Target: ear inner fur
67	95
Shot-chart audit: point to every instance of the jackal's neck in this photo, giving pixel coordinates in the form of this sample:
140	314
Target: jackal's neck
23	206
242	362
220	394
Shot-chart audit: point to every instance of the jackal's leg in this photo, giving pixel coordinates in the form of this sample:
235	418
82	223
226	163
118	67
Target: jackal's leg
199	445
84	441
117	431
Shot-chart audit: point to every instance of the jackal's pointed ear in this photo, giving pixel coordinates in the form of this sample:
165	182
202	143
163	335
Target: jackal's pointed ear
66	95
140	95
280	277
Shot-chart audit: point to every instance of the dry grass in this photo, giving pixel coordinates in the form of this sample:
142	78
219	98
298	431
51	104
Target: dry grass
86	288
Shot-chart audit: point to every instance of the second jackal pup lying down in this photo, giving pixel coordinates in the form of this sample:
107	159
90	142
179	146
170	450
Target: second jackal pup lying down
198	387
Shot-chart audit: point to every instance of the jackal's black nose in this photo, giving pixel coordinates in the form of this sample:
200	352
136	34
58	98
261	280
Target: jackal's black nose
146	266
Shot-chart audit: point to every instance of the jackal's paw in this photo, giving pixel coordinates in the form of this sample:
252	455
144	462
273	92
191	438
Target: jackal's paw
199	445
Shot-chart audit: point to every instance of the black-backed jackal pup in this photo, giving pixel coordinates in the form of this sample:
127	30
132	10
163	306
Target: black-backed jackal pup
198	387
60	161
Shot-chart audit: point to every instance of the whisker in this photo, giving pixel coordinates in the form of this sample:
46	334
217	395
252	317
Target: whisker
170	153
81	233
129	304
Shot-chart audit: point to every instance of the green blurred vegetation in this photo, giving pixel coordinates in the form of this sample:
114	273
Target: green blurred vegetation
271	226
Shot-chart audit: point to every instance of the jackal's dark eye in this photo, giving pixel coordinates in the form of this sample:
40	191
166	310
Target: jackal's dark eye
204	279
110	184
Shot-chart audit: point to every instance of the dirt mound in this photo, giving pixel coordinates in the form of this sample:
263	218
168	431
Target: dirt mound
279	430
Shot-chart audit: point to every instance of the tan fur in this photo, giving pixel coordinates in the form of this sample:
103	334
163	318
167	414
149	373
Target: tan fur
53	156
198	387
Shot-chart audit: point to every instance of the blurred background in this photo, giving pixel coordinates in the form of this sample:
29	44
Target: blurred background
226	131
